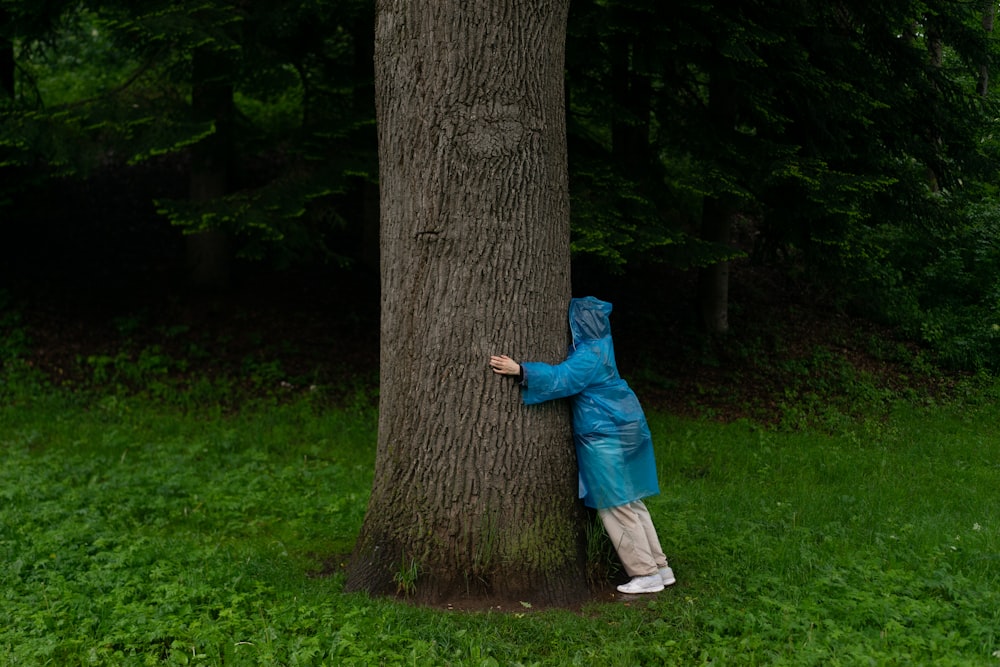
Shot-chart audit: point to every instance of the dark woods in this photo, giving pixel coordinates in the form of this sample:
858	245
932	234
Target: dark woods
721	158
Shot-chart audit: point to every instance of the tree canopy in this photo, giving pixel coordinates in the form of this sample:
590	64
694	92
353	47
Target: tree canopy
851	144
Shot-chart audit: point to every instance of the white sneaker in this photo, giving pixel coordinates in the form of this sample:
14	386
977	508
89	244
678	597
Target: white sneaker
667	575
650	584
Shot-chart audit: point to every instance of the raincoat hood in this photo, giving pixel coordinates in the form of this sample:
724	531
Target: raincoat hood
588	319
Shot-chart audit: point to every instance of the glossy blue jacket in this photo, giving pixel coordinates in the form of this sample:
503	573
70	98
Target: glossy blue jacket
614	449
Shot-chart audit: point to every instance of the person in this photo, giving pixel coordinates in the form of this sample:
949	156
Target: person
614	448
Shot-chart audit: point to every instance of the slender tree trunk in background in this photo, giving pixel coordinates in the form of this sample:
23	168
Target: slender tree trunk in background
473	491
713	281
989	18
717	224
632	100
208	252
935	52
7	63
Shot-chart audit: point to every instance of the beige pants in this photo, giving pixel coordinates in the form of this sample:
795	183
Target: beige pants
631	531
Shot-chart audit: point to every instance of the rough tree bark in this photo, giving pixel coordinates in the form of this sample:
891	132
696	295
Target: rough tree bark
474	494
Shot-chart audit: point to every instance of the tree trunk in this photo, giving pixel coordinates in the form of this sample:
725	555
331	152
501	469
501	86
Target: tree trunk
208	252
7	63
989	18
717	217
474	493
632	98
632	101
713	280
935	50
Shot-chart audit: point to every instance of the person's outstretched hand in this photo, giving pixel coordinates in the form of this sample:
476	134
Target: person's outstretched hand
504	365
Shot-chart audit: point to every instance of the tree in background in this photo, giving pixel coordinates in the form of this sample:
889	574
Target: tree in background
474	494
212	83
7	63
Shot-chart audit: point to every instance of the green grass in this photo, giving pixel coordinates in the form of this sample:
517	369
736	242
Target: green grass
135	534
877	545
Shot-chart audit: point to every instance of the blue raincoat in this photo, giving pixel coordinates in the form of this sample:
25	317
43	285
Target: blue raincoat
614	449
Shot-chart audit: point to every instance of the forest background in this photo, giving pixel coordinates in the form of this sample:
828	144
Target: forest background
767	193
791	205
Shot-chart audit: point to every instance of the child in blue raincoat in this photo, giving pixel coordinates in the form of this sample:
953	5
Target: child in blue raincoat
614	449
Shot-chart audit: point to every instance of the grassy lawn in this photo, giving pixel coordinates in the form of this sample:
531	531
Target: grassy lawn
135	534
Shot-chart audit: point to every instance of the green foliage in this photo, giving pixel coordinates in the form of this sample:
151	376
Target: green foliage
156	374
81	98
939	287
278	58
171	365
13	339
77	62
602	560
612	220
113	82
274	214
406	577
18	379
273	100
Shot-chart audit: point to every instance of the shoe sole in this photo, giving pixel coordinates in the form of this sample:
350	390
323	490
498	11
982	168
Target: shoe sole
640	592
